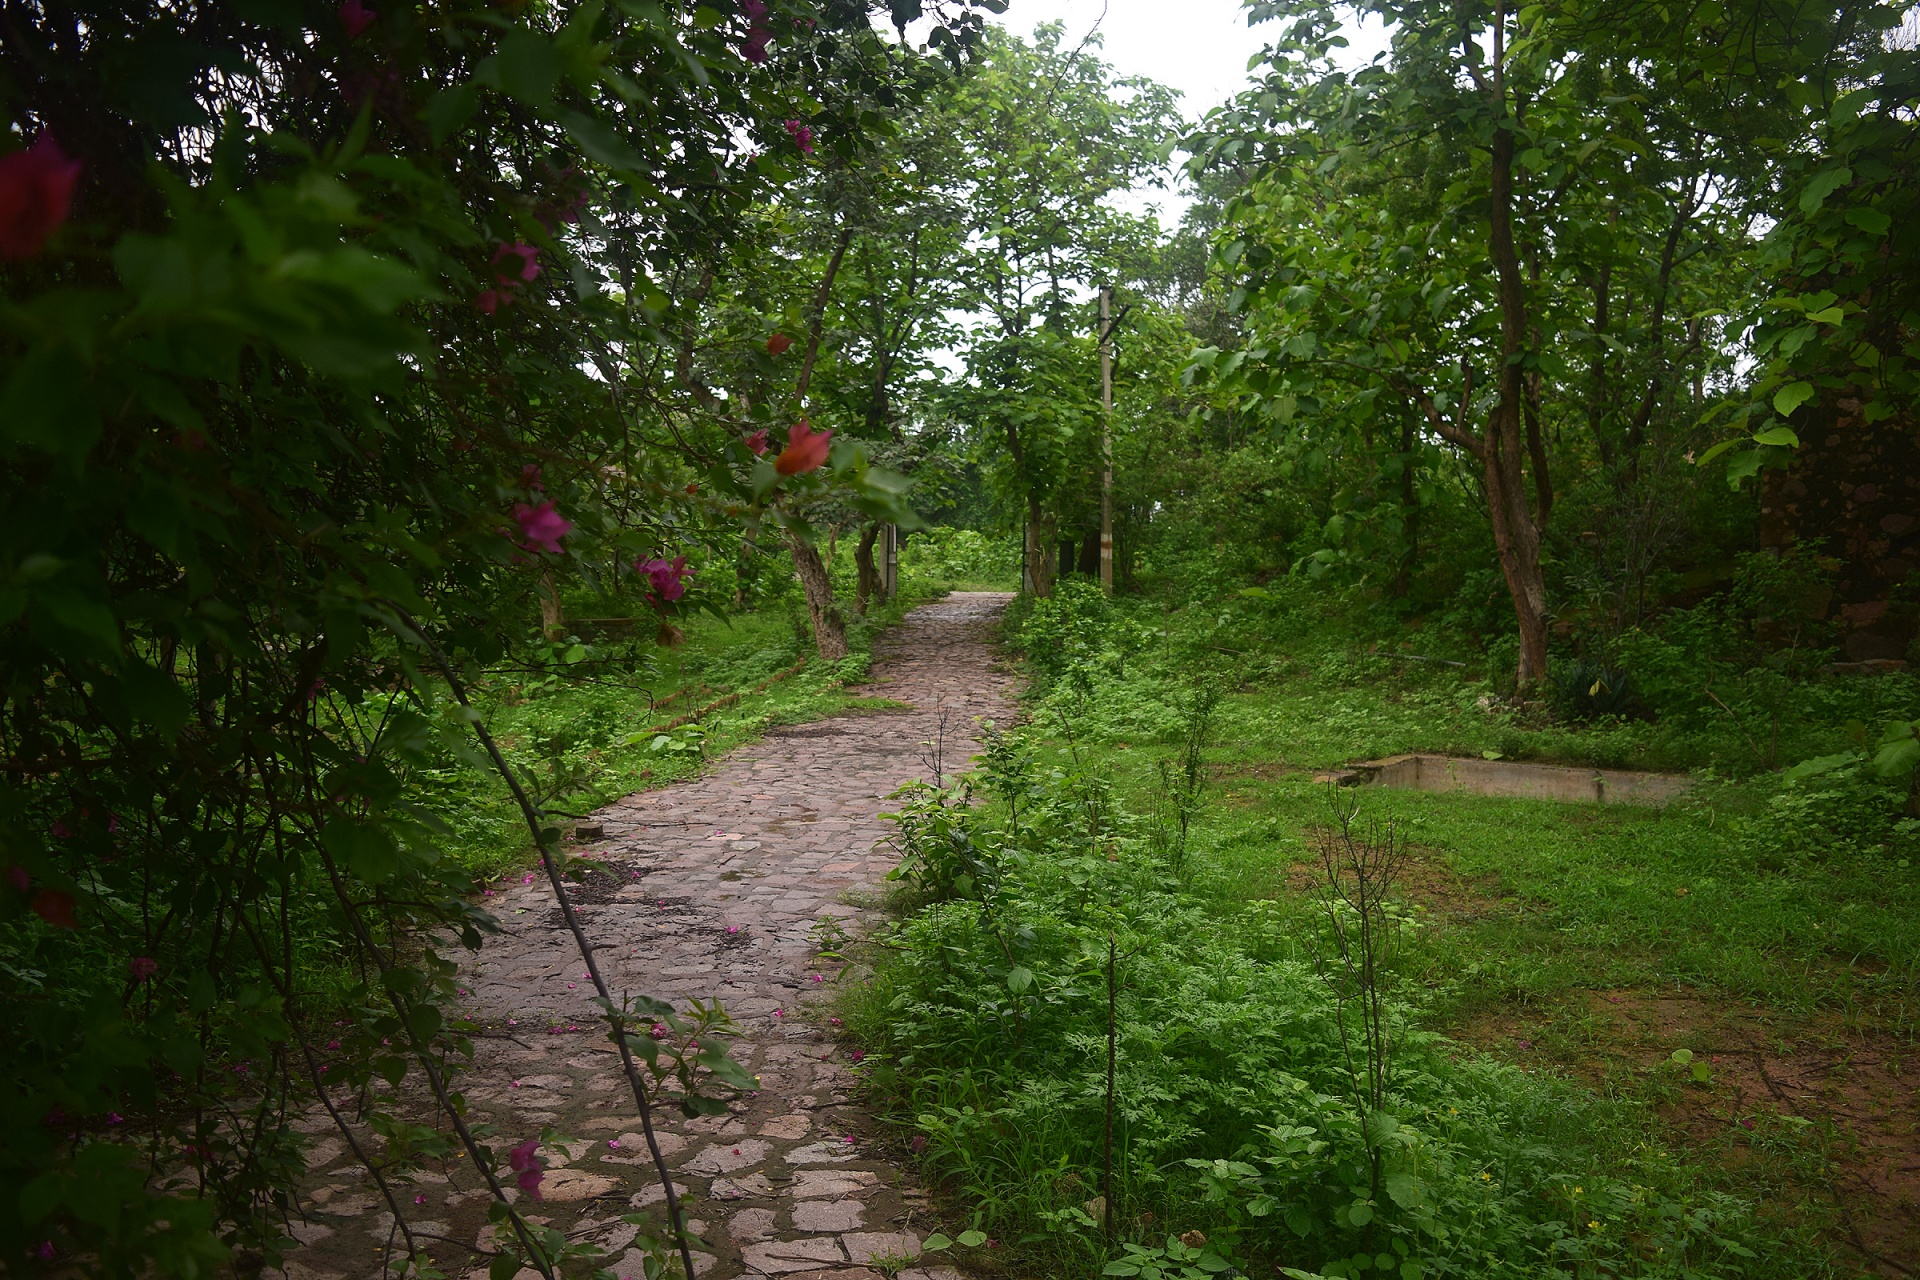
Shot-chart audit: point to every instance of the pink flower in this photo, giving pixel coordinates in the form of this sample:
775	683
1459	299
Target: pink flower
733	928
848	1139
919	1143
858	1056
419	1199
802	136
114	1117
333	1044
657	1031
818	978
754	47
758	442
569	986
542	527
834	1021
355	18
143	967
36	189
668	578
509	273
490	300
530	477
806	450
614	1143
528	1165
61	831
45	1251
527	878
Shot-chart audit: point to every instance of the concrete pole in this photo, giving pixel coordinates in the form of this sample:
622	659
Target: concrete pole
1106	431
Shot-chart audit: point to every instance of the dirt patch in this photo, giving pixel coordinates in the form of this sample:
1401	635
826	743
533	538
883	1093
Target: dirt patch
1838	1105
1426	881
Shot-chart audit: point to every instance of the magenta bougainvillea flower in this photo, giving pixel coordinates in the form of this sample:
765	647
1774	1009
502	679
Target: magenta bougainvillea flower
522	271
541	526
754	47
36	189
758	441
530	477
528	1166
355	18
802	136
806	450
667	577
143	967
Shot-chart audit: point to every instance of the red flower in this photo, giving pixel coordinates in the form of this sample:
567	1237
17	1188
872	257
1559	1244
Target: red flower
56	908
490	299
802	136
511	274
355	18
778	344
542	526
36	186
758	441
143	967
806	450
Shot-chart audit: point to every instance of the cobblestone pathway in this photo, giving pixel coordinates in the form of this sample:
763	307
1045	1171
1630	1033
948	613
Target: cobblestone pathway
718	887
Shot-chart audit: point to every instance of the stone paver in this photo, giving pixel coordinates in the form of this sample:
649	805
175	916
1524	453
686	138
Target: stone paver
725	888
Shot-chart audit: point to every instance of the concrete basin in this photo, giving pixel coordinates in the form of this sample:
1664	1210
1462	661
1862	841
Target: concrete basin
1419	772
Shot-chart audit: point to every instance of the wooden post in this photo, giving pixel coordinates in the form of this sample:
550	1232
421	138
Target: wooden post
890	570
1106	436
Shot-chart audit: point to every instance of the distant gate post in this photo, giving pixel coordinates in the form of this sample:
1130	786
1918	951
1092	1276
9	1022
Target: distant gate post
890	564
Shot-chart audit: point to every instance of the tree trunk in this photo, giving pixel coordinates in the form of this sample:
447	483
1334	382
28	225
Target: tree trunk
867	582
829	629
1516	538
553	618
1040	548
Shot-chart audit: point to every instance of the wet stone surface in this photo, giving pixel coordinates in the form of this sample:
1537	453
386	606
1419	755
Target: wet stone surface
715	888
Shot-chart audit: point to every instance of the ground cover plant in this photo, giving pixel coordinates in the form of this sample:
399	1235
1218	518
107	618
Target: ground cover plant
1595	987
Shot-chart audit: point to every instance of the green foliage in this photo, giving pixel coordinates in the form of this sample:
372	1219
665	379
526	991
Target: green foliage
1235	1116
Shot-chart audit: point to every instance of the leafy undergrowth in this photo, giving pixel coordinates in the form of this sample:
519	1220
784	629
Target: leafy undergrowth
1584	1005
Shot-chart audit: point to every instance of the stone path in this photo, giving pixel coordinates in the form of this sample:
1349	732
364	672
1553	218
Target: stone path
721	887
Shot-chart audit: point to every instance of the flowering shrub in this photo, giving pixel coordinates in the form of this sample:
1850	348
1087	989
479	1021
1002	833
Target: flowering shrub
328	343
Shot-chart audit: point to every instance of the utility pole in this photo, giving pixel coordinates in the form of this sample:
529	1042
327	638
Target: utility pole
1106	431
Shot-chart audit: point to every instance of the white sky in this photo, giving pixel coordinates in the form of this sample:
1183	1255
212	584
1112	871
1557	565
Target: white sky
1200	47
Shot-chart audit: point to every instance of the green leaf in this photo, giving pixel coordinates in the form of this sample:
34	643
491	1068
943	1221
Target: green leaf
1019	979
1791	397
368	850
601	143
1682	1056
973	1239
1359	1213
1821	186
1871	221
527	68
1819	765
1405	1190
1897	759
1778	437
935	1243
